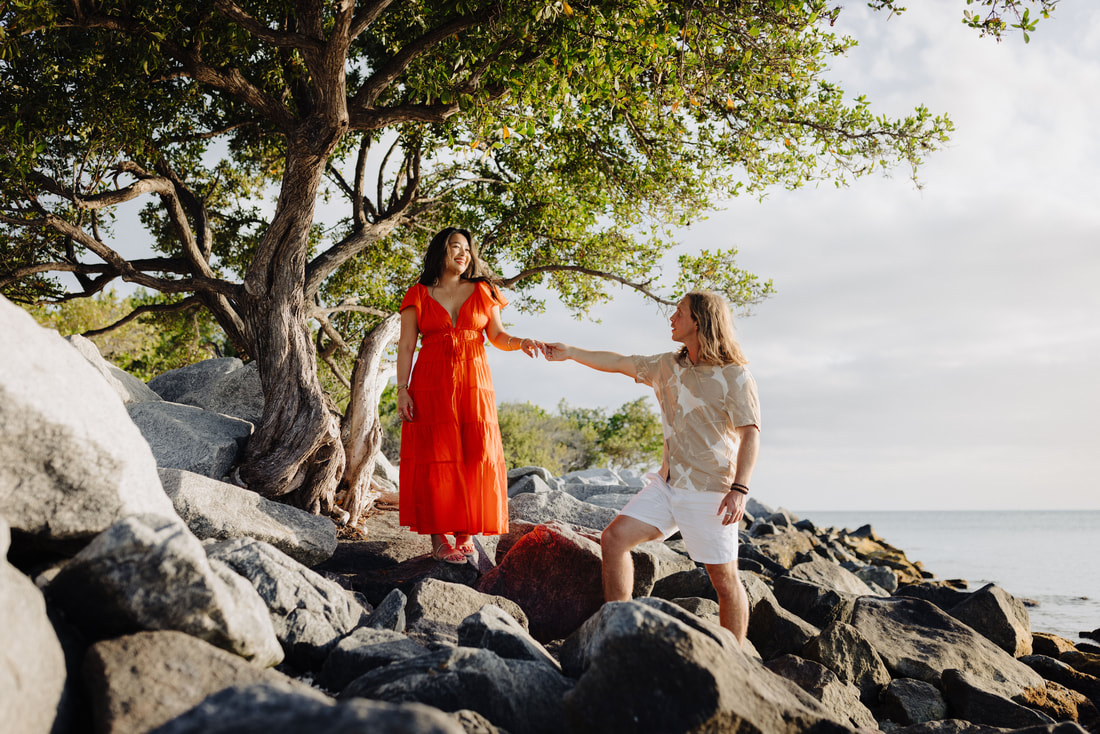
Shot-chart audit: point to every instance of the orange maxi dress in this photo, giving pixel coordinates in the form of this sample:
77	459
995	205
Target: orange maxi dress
453	475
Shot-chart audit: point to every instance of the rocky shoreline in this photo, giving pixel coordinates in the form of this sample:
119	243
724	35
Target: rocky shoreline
141	593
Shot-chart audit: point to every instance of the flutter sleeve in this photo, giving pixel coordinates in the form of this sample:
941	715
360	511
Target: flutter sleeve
413	298
494	294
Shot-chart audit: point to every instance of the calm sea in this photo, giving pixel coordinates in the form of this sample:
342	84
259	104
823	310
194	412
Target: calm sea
1050	557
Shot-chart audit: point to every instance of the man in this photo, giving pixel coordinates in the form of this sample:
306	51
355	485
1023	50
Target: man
711	421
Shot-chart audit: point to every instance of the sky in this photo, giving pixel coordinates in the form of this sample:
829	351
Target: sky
933	348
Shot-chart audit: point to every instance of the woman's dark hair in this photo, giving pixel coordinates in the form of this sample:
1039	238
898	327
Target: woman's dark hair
436	256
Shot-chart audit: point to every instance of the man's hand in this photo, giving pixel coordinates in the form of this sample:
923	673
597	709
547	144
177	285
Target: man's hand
732	507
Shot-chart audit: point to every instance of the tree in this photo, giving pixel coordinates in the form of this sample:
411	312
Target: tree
571	137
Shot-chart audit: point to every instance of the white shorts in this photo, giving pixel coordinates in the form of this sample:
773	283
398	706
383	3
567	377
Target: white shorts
694	514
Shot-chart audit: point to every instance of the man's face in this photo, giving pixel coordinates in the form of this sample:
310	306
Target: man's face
683	325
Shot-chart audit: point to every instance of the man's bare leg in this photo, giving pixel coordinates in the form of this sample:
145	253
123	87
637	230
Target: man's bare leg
733	602
618	568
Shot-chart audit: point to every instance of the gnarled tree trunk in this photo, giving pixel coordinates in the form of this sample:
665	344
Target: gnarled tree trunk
296	453
362	429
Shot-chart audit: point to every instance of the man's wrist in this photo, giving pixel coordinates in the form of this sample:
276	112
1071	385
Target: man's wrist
739	488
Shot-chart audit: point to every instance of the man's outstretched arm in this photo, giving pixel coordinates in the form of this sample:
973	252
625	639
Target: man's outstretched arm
597	360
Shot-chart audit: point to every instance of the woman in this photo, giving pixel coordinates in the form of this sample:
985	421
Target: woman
453	476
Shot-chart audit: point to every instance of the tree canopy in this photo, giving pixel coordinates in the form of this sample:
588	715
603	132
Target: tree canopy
571	137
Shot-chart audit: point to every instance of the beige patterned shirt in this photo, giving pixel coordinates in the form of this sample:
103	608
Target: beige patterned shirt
701	405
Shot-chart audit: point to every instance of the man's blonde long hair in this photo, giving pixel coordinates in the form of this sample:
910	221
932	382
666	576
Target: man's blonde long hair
717	342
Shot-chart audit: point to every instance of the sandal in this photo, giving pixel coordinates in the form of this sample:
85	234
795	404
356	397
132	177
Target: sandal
444	552
467	548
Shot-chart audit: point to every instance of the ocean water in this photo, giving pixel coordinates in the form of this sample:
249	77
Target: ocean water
1049	557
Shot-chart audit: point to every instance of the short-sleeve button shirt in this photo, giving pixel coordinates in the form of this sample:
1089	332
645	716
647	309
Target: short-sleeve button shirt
701	405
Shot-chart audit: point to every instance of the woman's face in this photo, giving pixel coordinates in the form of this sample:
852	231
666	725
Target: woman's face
457	253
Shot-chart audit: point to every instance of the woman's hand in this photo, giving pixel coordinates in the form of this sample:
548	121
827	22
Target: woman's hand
531	347
405	407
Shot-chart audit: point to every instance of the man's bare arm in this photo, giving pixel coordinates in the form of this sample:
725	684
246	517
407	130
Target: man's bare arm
597	360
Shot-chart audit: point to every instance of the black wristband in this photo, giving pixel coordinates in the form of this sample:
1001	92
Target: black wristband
735	487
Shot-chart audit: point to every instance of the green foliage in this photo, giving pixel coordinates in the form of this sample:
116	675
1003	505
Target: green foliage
579	438
146	346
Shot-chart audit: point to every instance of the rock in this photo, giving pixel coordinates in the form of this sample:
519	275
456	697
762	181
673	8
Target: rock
361	652
520	696
756	508
594	475
491	628
585	491
918	640
666	562
129	388
141	681
1061	704
149	573
613	500
842	649
784	547
554	506
1063	674
309	613
220	511
437	608
968	697
237	393
999	616
267	709
1086	662
774	631
174	384
630	650
190	438
532	483
1044	643
690	583
830	576
705	609
32	664
881	576
909	701
390	613
840	698
815	604
514	475
554	575
72	463
942	595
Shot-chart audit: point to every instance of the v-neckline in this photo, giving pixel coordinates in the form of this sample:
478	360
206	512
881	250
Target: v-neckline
458	314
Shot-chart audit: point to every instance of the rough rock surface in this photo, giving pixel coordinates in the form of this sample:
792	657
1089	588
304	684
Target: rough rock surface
71	461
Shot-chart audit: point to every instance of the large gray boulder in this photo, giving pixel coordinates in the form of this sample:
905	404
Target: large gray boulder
129	388
999	616
839	697
909	701
174	384
222	511
190	438
491	628
361	652
237	393
918	640
520	696
831	576
267	709
138	682
558	506
310	613
629	651
32	664
553	573
968	697
149	573
71	461
842	649
437	608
